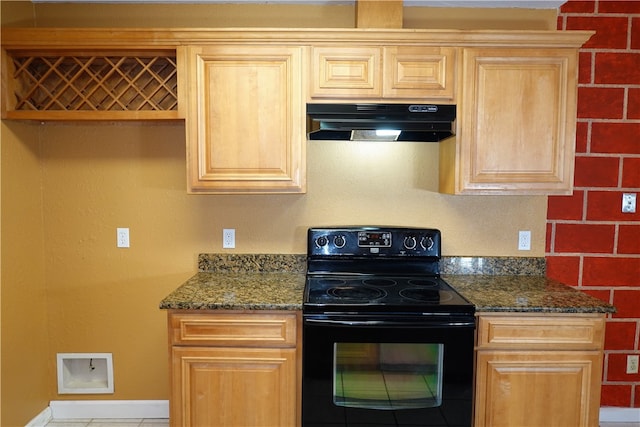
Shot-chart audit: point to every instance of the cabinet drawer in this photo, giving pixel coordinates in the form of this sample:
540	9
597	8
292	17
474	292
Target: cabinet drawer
233	329
541	332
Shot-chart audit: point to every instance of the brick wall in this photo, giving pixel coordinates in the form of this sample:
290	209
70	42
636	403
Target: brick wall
591	244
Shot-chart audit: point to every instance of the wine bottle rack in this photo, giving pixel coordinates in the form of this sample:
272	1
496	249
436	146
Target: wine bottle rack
94	83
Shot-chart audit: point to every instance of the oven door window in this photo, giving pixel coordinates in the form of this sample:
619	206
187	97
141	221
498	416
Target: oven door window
387	376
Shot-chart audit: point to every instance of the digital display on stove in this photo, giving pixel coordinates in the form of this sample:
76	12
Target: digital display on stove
374	239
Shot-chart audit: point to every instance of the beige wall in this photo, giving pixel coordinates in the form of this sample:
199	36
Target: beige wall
25	352
67	187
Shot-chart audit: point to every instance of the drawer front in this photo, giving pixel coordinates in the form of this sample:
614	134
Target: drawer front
541	332
230	329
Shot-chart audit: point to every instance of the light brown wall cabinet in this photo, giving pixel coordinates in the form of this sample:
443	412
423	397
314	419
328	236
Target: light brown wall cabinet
234	369
245	119
538	370
402	72
517	123
243	93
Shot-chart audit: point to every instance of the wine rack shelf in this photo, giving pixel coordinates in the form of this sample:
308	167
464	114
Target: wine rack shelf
93	86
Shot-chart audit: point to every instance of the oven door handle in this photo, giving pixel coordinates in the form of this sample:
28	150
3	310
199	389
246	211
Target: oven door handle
420	323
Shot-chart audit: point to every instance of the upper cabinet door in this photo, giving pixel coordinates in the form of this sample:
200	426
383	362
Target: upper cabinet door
419	72
245	119
346	72
389	72
517	121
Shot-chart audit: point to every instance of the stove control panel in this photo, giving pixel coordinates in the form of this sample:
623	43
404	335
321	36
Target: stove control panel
373	241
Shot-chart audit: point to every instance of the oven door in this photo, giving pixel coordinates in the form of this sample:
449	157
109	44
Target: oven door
387	371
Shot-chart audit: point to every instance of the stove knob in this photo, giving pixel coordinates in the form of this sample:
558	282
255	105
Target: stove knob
322	241
426	243
410	242
339	241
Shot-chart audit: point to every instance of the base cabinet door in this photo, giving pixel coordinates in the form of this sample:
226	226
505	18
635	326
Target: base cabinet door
234	387
538	370
543	389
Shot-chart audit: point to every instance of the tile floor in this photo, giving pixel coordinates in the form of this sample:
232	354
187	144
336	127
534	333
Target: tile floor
104	422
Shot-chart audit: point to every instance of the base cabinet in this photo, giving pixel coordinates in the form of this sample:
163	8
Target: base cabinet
234	369
539	371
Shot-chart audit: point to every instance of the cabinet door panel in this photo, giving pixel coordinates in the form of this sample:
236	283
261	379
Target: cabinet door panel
245	121
234	387
536	389
518	120
346	72
416	72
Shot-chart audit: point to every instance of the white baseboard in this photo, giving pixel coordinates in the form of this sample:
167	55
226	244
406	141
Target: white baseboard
41	419
68	409
620	415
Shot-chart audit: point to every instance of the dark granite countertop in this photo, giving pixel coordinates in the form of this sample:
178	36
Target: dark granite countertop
276	282
525	294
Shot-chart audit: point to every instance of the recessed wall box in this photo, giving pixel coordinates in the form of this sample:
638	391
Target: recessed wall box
85	373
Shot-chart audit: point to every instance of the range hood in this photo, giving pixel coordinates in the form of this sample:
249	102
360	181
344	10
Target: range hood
381	122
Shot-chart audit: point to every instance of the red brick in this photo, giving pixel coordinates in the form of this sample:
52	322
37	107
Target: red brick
629	239
631	173
584	238
633	103
611	32
596	171
613	271
636	404
607	206
619	138
617	368
600	103
626	304
565	207
564	269
578	6
619	6
584	67
617	68
582	132
615	395
635	33
547	241
620	335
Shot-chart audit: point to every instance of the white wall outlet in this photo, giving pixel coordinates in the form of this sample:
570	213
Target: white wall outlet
524	240
122	237
632	363
629	202
229	238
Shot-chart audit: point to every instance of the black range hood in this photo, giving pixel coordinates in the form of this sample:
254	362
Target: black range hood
381	122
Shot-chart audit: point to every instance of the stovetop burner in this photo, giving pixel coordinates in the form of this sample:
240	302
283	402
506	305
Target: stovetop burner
326	292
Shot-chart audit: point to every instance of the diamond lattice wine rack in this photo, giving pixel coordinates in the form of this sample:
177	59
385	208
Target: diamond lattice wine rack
98	86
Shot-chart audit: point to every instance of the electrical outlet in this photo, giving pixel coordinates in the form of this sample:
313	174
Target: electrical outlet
629	202
632	363
524	240
229	238
122	237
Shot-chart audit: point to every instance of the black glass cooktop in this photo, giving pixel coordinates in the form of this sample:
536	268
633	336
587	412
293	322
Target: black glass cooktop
327	292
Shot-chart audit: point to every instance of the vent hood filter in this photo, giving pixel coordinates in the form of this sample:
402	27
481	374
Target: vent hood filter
381	122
